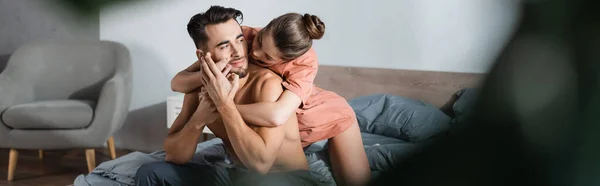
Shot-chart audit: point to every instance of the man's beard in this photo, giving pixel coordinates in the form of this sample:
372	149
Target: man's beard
241	72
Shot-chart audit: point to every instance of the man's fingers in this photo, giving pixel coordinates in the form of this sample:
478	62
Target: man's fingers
212	65
208	73
235	82
222	64
204	78
205	97
208	56
205	81
236	79
199	54
227	69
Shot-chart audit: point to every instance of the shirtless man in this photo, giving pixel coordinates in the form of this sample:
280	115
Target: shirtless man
261	155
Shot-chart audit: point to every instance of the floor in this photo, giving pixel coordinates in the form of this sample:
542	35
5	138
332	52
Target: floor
58	167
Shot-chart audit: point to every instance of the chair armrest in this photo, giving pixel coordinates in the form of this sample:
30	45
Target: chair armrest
112	106
115	97
3	128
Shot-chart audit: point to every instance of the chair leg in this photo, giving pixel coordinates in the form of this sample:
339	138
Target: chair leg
12	163
41	154
111	147
90	157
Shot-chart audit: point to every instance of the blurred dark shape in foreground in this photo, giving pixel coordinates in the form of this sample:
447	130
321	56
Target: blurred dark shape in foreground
89	8
537	117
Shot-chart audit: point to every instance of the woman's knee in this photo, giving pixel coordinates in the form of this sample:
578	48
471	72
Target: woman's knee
351	133
349	159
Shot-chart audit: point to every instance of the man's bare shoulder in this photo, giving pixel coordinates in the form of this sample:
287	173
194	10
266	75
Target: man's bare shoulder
263	76
268	84
269	75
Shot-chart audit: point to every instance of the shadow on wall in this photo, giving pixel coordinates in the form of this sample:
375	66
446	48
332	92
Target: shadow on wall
145	126
144	129
3	61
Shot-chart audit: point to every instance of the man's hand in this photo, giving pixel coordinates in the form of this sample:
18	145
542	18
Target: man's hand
220	64
190	79
206	111
220	88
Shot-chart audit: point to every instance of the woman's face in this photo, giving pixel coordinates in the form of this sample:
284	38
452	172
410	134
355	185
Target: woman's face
264	49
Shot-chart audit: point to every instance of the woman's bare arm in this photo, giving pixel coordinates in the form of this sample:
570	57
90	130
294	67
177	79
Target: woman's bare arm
188	80
271	114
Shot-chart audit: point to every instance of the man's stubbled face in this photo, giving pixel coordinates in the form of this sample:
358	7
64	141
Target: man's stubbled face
226	40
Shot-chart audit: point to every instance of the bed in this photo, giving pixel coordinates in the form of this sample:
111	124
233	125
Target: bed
399	112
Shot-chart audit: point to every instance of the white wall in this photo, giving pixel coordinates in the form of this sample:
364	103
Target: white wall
438	35
23	21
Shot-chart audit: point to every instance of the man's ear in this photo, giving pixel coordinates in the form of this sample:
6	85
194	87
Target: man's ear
199	54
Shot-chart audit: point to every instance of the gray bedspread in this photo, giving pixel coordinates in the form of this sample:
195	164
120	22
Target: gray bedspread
392	127
121	171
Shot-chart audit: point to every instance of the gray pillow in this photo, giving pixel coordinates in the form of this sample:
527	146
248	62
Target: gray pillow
398	117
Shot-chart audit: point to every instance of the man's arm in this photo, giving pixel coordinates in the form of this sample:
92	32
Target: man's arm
187	80
271	114
180	144
256	150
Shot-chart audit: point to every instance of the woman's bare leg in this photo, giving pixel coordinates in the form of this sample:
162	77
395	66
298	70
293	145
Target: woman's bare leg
348	158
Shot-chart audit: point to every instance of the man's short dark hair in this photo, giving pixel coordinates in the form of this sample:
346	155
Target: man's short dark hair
214	15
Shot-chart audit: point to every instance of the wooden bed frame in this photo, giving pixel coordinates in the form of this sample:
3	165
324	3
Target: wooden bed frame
435	88
431	87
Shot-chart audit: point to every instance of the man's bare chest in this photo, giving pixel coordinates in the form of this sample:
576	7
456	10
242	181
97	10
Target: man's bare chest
218	129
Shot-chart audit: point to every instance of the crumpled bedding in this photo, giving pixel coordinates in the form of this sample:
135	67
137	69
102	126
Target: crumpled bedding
392	127
398	117
121	171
